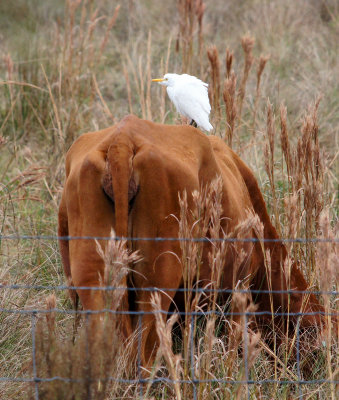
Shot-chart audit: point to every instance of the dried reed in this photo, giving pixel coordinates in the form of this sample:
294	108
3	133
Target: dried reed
262	63
229	95
228	62
142	78
214	89
190	14
247	43
110	24
164	69
269	160
164	331
200	14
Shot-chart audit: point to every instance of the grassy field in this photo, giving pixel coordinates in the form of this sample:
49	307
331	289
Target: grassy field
76	66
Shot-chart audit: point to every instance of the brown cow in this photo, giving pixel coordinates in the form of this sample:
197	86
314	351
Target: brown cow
128	177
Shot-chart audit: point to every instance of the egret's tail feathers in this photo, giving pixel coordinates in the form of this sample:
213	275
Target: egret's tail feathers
205	125
208	127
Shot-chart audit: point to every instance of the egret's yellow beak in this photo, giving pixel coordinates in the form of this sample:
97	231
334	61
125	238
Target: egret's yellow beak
158	80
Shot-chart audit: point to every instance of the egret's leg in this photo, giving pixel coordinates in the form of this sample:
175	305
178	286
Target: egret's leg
193	123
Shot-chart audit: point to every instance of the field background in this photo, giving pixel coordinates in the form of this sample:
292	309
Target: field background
71	67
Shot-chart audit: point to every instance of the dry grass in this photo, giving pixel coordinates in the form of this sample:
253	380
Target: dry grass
85	365
82	65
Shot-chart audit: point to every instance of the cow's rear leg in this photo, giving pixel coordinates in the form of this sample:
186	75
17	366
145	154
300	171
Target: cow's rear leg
147	340
64	251
95	300
92	302
166	274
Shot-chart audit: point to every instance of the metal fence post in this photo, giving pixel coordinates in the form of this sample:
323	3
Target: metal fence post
140	380
35	377
246	355
298	359
192	358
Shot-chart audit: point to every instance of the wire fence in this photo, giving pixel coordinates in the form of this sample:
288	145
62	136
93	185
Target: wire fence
172	239
193	379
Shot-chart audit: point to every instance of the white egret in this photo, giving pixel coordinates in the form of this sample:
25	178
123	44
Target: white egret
190	97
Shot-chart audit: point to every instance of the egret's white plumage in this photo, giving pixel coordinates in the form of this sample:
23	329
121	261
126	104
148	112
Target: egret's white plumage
190	97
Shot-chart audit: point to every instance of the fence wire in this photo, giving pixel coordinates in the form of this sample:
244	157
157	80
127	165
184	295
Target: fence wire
172	239
139	380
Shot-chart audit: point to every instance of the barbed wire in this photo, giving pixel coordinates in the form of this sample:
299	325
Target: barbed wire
157	289
168	380
171	239
164	312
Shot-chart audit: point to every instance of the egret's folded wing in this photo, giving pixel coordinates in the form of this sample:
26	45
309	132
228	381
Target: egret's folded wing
201	93
194	97
191	106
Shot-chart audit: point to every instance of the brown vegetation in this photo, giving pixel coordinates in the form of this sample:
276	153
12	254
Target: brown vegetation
82	65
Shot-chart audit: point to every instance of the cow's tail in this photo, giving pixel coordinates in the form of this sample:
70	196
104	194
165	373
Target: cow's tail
121	179
121	188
